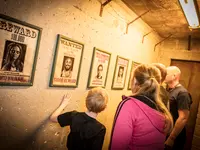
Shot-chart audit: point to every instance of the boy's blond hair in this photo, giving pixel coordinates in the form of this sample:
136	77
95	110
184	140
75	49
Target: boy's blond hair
96	100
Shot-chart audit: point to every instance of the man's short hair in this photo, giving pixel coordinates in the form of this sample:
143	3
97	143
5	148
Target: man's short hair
96	100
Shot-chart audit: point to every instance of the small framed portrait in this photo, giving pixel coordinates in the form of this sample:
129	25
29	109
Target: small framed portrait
133	66
99	68
119	77
19	44
67	62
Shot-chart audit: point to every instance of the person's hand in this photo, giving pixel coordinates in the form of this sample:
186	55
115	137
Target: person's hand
65	100
169	142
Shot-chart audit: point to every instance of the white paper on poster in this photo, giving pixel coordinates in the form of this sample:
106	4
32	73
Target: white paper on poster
67	63
120	74
99	70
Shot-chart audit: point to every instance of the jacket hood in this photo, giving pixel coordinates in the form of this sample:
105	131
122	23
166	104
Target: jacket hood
155	117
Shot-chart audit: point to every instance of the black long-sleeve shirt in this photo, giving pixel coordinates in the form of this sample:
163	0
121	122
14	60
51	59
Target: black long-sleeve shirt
86	132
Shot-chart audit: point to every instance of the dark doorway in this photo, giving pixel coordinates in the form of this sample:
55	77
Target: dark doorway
190	79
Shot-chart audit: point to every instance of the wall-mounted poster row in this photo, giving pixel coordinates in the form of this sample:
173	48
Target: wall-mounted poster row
19	44
67	62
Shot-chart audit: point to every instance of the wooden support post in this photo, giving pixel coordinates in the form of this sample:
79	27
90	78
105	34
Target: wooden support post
189	42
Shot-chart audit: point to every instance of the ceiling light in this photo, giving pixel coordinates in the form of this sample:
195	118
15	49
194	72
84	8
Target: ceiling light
190	8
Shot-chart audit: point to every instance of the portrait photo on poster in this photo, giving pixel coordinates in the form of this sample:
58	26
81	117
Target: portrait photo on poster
99	68
18	51
13	58
119	76
99	71
67	67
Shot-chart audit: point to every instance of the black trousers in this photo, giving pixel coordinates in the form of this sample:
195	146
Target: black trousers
180	140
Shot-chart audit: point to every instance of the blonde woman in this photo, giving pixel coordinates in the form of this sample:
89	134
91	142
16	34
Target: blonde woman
86	132
164	95
142	120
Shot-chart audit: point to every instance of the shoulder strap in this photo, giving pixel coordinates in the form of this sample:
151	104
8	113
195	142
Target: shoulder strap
119	108
115	118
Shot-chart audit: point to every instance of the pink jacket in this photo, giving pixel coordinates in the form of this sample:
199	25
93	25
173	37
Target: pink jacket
138	127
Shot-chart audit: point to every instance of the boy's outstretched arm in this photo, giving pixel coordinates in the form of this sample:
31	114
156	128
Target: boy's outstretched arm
60	108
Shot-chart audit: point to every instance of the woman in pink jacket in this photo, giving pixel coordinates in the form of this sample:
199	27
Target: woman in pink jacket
142	120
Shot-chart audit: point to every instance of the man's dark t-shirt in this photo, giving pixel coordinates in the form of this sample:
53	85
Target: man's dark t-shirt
180	99
86	132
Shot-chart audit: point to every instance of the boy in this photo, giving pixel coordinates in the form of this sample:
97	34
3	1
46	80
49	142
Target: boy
86	132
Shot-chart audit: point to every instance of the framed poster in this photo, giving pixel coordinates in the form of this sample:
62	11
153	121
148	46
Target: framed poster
67	62
19	44
133	66
119	77
99	68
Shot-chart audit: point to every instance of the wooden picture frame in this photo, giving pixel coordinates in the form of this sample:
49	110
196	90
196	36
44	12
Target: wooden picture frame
19	45
67	62
133	66
99	68
119	77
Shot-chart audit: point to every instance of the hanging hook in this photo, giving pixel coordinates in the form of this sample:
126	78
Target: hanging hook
102	6
135	20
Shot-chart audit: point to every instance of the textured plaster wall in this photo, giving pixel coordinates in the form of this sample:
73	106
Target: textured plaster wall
24	111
